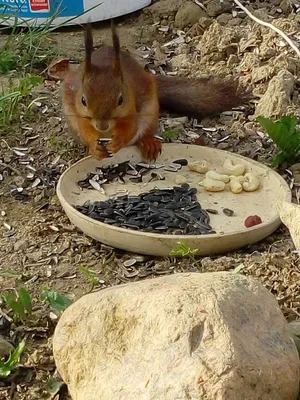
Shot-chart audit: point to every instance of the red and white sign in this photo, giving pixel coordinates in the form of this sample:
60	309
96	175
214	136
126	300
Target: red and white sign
39	5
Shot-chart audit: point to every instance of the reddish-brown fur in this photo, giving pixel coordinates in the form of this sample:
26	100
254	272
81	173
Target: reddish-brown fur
107	73
200	97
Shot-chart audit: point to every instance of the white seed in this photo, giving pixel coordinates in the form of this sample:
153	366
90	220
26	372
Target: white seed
217	177
251	182
198	166
130	262
231	169
8	227
36	182
212	186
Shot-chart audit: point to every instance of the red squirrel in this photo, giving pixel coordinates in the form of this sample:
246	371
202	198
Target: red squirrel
112	96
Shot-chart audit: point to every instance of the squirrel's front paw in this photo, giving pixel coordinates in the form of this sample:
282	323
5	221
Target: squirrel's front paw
98	151
150	147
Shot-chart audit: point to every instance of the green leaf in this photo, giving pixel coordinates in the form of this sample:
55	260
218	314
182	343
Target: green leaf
57	301
14	304
54	386
171	134
279	159
13	361
285	135
290	122
25	300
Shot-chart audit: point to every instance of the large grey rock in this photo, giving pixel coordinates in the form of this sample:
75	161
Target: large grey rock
210	336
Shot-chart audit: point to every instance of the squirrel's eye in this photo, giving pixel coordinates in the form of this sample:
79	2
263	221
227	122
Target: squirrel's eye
120	101
83	101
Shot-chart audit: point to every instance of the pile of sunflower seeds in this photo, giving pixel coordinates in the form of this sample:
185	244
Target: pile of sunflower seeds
135	172
167	211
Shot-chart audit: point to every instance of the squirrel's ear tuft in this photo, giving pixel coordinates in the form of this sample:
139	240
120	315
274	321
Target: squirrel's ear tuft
116	45
88	41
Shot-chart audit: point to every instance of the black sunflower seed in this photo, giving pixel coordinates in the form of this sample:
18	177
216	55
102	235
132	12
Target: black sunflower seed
183	162
228	212
164	211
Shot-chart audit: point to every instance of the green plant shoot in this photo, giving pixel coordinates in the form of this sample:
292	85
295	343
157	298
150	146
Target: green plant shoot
94	280
20	304
286	137
183	251
57	301
13	362
171	134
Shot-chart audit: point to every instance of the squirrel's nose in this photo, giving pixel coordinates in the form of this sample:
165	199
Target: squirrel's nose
103	125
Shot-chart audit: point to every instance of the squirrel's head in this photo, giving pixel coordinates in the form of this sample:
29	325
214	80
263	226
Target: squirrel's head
104	96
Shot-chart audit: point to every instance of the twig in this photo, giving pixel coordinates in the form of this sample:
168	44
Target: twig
259	21
200	4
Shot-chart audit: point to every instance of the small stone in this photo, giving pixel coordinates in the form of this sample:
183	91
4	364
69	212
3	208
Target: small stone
223	146
217	7
4	323
205	22
235	21
232	60
262	73
38	198
286	7
19	181
183	48
250	128
7	159
35	255
295	168
263	15
5	348
277	98
21	245
180	180
188	14
53	121
223	19
267	53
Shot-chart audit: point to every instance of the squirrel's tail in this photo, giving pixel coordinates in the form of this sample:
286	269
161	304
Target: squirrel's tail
199	97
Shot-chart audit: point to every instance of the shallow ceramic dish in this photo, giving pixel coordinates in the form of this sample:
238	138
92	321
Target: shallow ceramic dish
231	232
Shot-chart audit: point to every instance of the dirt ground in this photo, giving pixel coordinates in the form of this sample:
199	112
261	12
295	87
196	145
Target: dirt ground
43	249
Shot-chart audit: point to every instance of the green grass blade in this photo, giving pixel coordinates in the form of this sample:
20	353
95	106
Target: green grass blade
13	361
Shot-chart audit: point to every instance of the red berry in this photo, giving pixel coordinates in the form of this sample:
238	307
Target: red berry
252	220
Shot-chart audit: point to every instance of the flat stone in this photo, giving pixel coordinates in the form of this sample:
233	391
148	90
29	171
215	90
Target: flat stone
21	245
